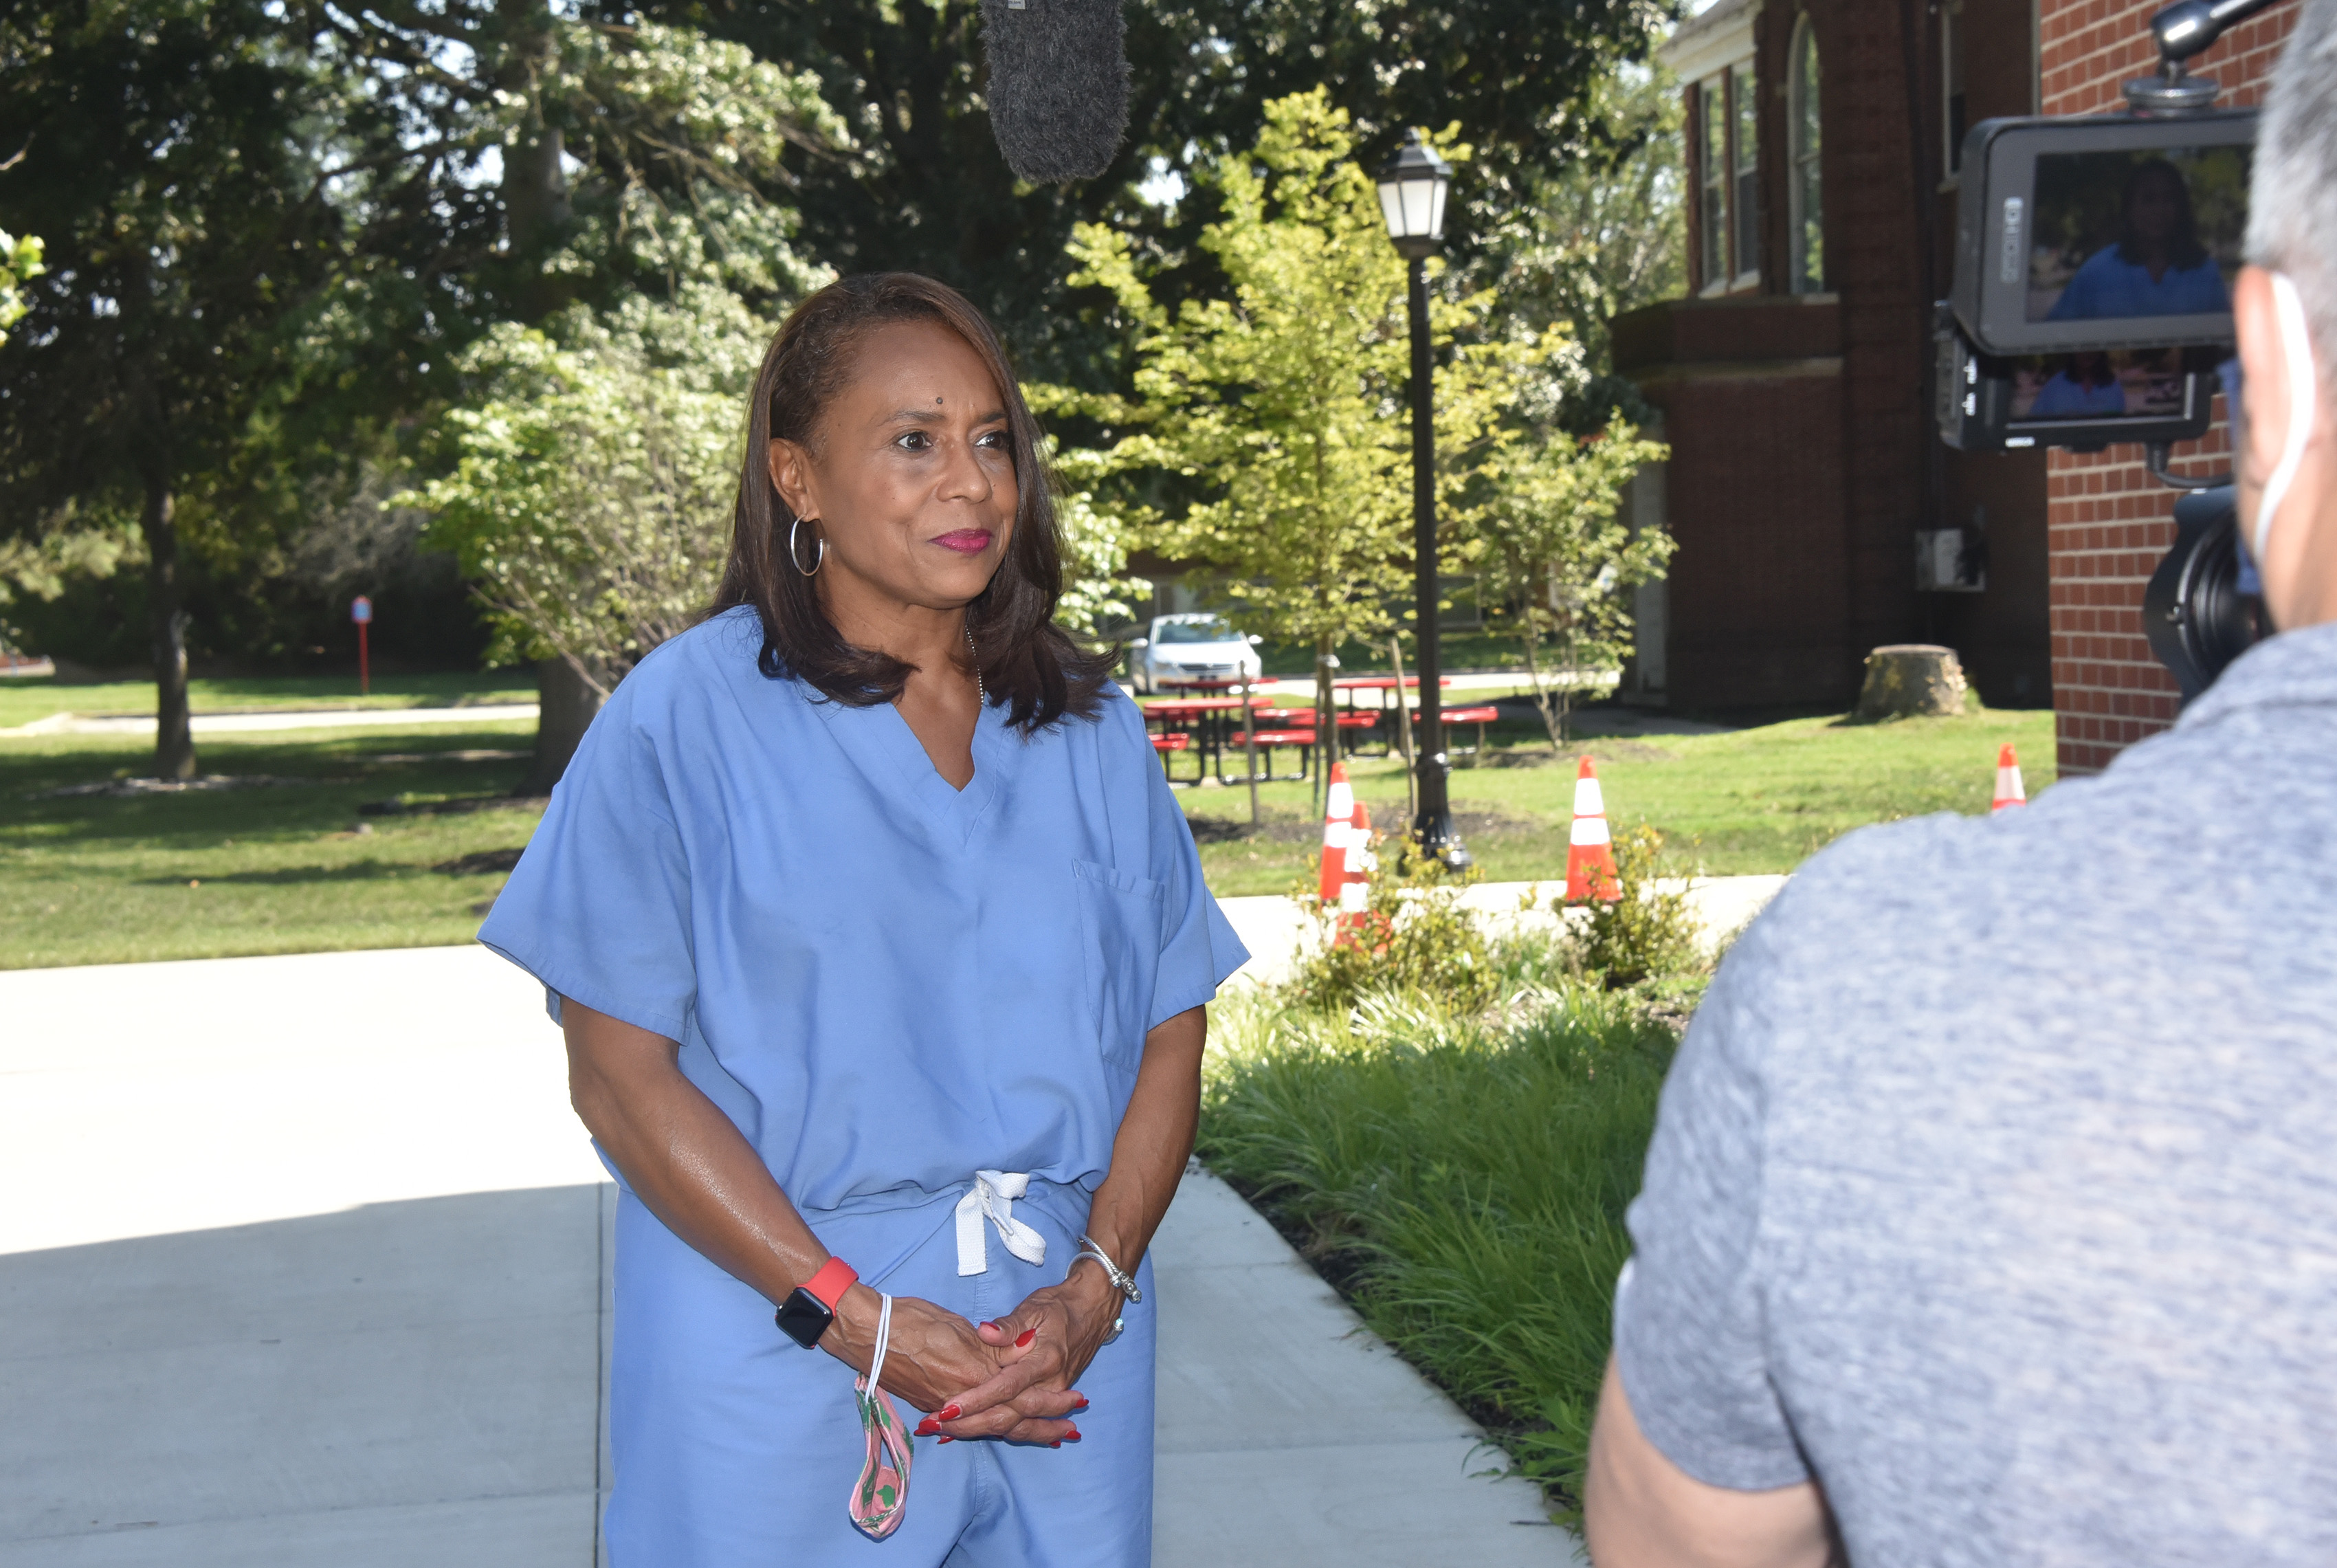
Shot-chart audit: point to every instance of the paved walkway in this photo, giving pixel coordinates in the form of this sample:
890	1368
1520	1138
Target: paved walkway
308	1259
290	718
1275	929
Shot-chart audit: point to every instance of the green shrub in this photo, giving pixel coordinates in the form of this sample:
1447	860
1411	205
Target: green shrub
1460	1176
1650	932
1414	936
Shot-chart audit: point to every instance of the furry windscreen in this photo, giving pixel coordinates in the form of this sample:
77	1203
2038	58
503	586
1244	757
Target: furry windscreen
1058	85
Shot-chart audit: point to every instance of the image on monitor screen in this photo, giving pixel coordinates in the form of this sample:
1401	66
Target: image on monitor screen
2102	384
2137	233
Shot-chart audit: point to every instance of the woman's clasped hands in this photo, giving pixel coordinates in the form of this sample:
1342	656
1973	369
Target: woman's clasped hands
1010	1378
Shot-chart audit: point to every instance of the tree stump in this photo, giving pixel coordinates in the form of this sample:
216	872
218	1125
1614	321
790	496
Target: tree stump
1911	678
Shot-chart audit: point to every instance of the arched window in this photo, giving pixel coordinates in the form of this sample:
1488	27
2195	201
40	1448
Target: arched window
1808	190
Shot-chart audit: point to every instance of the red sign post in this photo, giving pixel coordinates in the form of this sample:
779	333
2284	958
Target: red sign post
361	612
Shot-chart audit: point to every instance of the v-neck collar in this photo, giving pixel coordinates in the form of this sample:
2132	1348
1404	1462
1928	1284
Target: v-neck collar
903	765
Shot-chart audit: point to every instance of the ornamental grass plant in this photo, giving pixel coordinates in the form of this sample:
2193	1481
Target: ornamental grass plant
1460	1173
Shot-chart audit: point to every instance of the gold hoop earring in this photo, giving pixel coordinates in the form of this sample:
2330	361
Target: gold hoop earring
795	556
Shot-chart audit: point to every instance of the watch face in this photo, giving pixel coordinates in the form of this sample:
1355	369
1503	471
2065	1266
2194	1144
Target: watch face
802	1319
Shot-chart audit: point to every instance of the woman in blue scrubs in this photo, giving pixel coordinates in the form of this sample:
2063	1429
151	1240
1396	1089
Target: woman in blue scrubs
2157	266
881	949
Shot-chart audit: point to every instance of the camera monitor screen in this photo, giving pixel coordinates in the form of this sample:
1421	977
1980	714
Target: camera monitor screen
2094	384
2085	234
2145	233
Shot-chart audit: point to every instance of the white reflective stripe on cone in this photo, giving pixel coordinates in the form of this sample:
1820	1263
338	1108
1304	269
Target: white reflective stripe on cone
1588	800
1341	806
1590	831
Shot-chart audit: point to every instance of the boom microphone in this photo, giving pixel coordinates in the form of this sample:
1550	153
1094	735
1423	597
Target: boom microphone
1058	85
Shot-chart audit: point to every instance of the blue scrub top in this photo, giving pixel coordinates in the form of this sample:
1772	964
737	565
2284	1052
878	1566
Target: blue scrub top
887	984
2106	285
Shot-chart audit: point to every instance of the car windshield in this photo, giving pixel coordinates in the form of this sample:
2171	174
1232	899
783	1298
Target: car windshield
1210	631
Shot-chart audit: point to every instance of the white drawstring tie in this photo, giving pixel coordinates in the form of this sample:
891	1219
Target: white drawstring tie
992	1197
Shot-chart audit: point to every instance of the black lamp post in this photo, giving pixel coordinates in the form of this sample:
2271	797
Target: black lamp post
1412	185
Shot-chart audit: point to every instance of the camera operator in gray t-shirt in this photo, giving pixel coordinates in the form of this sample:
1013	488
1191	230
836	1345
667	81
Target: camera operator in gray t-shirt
1992	1214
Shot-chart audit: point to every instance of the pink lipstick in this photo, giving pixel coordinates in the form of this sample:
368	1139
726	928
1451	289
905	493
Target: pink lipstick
966	541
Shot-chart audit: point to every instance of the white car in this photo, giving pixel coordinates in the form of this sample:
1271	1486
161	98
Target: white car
1194	647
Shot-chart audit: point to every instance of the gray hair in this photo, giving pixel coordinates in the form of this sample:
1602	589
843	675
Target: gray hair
2293	198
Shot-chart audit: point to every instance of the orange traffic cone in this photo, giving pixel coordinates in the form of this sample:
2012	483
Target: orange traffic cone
2009	790
1589	854
1347	858
1338	822
1356	893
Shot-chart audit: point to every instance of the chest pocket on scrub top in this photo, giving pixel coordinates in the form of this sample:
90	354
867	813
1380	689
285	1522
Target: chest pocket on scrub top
1120	922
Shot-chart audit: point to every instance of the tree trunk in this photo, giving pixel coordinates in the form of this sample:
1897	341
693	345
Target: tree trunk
166	616
534	187
1906	679
1403	731
566	704
1327	729
1544	703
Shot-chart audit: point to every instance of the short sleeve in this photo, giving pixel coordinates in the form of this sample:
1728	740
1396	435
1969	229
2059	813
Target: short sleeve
1199	951
1689	1340
598	908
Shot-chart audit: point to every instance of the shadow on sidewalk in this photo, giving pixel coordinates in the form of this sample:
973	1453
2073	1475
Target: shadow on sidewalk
402	1383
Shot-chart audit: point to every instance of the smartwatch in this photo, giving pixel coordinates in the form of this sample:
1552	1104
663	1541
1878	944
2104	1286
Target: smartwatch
810	1307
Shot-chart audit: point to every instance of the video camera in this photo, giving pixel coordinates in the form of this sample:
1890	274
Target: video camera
2091	304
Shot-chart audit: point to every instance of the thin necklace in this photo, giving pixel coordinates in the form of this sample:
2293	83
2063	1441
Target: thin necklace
979	690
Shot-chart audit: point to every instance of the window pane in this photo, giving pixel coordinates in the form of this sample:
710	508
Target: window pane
1712	114
1746	209
1808	226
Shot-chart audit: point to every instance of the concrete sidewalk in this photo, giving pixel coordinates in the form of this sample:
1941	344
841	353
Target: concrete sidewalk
1275	929
290	718
309	1266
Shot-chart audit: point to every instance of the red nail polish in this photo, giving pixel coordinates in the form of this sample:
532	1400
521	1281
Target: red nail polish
1055	1444
949	1412
988	1324
947	1438
1024	1342
927	1428
1081	1399
1072	1435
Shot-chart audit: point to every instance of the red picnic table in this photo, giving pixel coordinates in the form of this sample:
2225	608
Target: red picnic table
1203	724
1355	722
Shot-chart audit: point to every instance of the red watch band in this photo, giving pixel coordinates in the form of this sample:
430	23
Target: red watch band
829	1284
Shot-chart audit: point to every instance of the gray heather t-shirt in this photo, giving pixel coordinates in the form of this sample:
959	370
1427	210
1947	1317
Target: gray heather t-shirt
1995	1186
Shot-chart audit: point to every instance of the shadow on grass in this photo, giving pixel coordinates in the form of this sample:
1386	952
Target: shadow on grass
287	876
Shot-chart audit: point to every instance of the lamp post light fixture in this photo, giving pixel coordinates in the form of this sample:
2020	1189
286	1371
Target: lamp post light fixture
1413	186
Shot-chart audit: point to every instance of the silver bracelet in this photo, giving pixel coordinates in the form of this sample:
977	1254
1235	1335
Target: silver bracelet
1120	1281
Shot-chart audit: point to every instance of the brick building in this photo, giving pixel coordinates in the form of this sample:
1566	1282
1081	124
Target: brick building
1818	514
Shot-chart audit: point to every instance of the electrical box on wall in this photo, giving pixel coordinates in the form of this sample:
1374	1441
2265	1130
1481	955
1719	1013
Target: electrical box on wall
1950	561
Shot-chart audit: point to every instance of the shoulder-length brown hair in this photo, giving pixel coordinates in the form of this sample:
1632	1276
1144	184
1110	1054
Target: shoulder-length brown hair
1024	659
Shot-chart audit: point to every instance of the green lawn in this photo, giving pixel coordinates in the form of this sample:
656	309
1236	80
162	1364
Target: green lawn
279	869
23	699
282	868
1750	800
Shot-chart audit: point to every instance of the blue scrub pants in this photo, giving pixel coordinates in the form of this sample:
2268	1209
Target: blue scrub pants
733	1448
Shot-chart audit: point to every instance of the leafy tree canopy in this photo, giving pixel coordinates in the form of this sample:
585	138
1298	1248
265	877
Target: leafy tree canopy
927	191
1280	406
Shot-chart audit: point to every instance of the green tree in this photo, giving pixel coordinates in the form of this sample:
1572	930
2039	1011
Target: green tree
19	259
274	225
1098	595
929	192
1602	231
1558	555
590	495
1280	405
176	168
